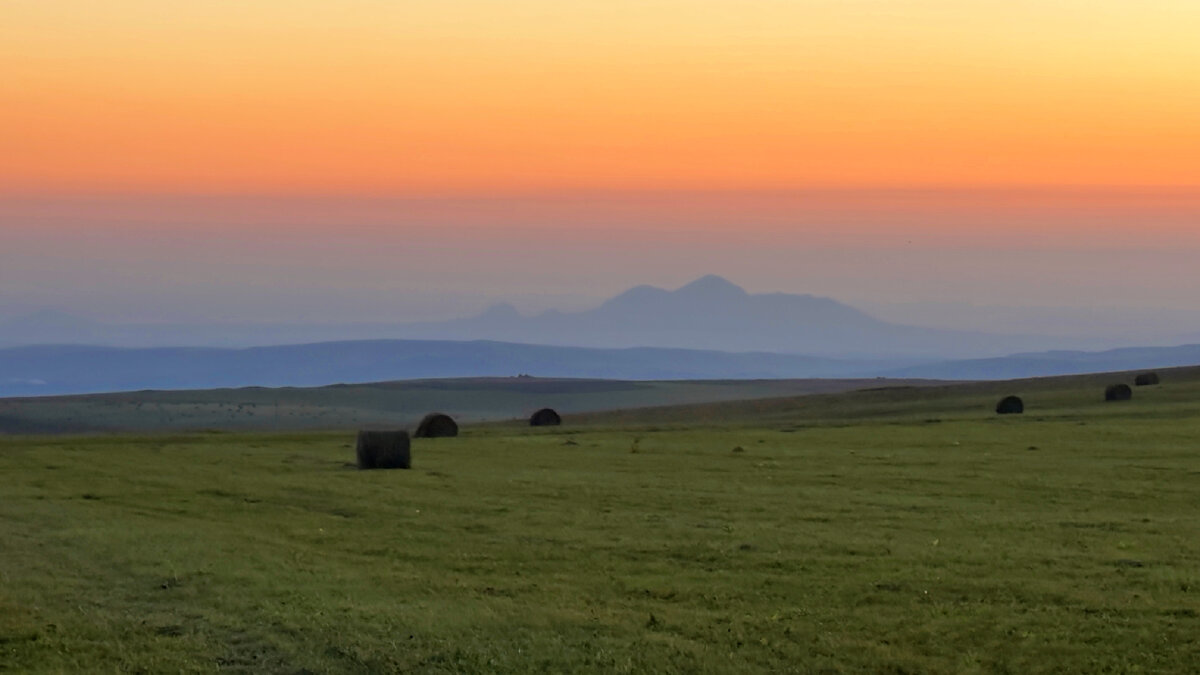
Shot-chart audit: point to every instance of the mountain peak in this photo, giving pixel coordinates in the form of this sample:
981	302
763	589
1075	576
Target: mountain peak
636	296
712	285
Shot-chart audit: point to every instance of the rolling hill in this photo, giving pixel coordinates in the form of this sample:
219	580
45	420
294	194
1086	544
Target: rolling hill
1045	364
386	404
57	370
50	370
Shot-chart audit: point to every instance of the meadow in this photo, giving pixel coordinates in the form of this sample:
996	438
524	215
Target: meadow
898	530
378	404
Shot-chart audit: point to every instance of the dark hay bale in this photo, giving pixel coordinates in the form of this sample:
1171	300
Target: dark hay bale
383	450
1118	392
546	417
1146	379
436	425
1010	405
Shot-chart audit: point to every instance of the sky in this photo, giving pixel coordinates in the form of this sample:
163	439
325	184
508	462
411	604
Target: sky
332	161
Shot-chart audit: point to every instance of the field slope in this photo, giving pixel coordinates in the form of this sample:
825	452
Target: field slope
896	530
390	404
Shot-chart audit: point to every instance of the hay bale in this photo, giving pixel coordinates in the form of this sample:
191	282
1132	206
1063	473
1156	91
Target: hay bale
436	425
1010	405
1118	392
383	450
1146	379
546	417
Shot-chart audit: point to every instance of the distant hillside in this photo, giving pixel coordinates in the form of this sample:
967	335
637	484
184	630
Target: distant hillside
51	370
1071	396
786	404
379	404
39	371
1045	364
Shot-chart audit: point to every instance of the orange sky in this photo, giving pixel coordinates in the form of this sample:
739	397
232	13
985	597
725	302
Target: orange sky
469	96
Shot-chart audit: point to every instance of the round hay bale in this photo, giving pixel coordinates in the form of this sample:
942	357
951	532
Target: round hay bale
1146	379
1010	405
383	450
1118	392
436	425
546	417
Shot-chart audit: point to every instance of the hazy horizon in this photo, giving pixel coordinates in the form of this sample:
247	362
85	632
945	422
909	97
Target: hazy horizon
930	257
363	161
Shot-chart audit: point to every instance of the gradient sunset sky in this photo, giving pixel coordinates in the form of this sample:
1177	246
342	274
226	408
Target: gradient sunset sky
873	150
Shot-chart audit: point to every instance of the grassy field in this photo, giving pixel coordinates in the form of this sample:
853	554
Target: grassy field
400	403
895	531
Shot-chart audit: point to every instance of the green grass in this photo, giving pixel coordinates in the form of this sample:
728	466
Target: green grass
850	534
400	403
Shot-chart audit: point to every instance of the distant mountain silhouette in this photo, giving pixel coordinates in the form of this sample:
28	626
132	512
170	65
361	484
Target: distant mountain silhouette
713	313
709	313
